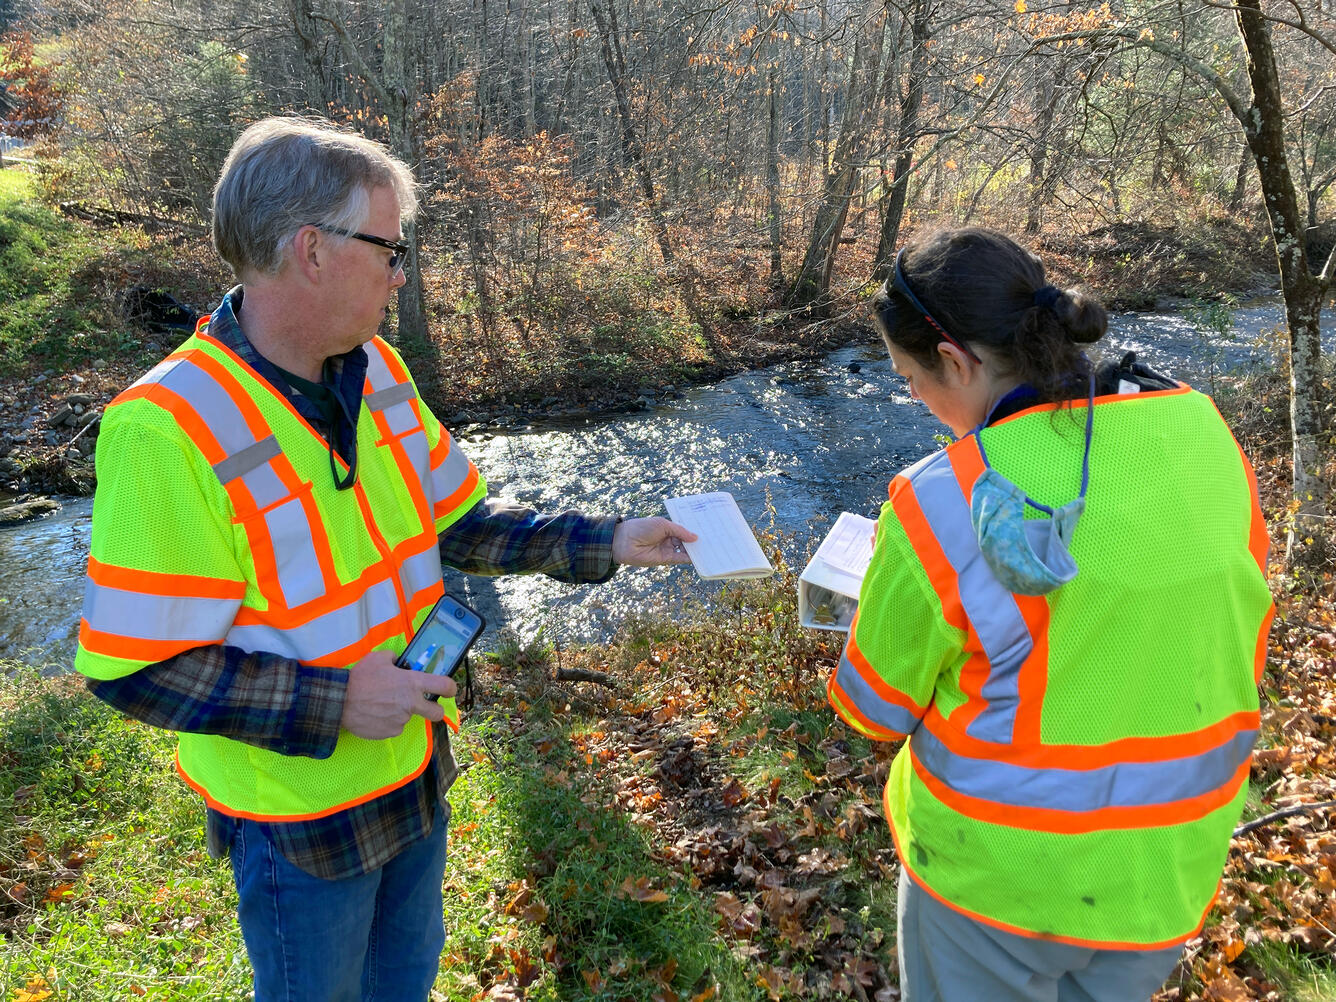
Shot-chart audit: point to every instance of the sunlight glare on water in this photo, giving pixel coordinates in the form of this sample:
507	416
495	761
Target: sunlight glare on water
808	439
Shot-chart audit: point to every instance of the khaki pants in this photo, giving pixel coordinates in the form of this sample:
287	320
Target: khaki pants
948	957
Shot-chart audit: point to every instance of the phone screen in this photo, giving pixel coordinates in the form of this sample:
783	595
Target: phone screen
444	637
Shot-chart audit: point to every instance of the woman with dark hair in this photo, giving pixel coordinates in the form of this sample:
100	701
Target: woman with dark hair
1065	615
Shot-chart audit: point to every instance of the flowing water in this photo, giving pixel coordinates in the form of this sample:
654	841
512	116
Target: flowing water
795	443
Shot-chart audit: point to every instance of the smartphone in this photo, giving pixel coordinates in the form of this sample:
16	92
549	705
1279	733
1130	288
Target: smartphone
443	639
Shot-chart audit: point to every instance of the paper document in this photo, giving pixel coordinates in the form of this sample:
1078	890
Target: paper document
828	587
727	548
847	550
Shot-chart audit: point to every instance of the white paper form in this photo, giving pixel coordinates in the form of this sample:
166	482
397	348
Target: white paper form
847	551
726	547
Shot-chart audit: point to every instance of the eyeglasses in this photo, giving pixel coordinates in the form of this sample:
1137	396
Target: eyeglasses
901	286
400	249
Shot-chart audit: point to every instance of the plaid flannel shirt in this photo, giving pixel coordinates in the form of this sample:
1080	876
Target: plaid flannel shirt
282	705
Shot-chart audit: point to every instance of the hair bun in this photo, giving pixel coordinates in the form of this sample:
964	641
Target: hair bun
1083	319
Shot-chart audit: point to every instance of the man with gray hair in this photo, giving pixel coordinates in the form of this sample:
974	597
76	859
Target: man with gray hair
274	506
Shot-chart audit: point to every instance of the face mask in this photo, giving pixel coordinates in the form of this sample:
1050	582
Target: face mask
1027	556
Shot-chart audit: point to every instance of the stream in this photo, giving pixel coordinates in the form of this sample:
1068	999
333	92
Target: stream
796	444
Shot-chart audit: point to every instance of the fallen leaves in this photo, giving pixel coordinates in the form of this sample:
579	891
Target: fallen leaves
640	889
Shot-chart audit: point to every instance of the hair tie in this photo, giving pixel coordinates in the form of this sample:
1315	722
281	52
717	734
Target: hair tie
1047	297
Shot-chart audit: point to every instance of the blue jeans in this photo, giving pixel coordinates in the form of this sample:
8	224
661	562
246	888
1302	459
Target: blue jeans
374	937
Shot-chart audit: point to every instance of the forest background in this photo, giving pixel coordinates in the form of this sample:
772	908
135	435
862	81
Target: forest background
622	196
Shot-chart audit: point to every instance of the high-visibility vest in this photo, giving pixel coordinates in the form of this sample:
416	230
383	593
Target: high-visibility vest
216	521
1076	761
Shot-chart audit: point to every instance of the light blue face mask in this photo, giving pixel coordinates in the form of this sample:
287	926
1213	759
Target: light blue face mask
1027	556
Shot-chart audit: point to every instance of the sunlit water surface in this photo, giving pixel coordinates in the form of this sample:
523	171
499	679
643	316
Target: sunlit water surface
796	444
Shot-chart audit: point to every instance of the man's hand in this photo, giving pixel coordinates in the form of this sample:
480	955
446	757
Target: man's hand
383	697
648	542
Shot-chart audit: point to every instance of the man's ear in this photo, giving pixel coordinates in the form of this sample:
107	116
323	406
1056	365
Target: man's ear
310	253
957	367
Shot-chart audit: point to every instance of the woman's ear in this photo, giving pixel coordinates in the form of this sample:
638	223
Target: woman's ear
958	369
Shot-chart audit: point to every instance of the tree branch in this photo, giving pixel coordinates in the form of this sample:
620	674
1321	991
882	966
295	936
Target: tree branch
1300	25
363	68
1287	812
1145	40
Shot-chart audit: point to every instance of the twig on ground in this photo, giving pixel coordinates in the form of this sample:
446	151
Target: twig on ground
1287	812
584	675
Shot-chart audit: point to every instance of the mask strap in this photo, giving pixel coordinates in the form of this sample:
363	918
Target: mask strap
344	482
1085	458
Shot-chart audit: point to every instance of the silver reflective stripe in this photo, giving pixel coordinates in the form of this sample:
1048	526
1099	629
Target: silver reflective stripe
401	419
991	609
421	571
397	394
393	397
1125	784
223	418
298	568
450	474
335	630
247	459
157	617
869	703
156	374
251	461
265	485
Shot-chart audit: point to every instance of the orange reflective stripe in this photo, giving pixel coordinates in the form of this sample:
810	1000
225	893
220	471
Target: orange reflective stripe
1107	398
299	489
874	680
1032	678
177	406
1028	933
313	815
250	411
941	575
349	593
398	371
966	463
410	474
848	710
457	498
1259	540
158	583
1259	656
378	541
114	645
946	584
1060	822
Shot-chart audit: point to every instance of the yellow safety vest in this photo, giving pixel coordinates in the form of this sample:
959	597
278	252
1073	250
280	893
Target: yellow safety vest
1076	761
220	524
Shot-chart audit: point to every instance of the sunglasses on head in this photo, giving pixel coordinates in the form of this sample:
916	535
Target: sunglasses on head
398	248
901	286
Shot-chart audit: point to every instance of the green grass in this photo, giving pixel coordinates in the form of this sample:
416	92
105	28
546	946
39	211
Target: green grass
60	280
105	890
552	890
599	836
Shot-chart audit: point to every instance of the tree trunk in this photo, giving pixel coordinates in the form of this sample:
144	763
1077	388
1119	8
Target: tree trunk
524	71
811	288
1241	180
403	140
1264	128
615	62
772	180
911	99
1048	109
307	29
